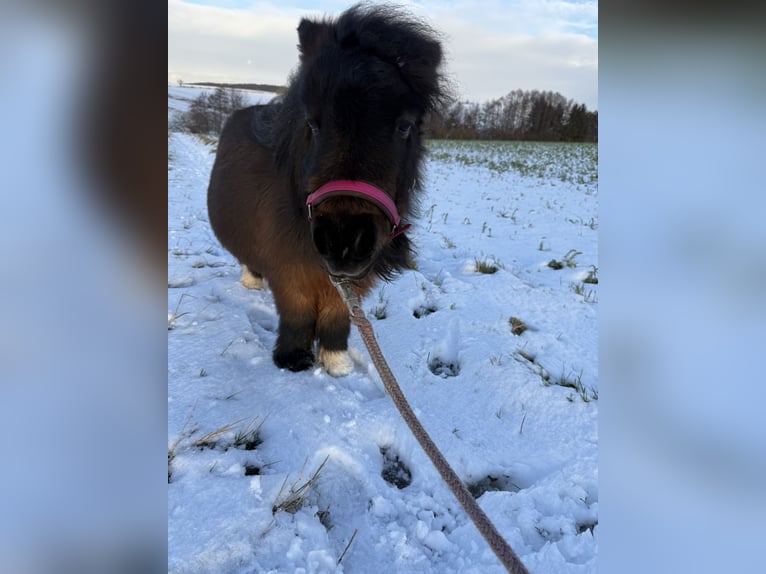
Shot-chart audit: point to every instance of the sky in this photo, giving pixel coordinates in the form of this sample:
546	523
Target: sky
492	46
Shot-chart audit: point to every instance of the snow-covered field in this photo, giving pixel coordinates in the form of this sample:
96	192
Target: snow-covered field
513	410
179	97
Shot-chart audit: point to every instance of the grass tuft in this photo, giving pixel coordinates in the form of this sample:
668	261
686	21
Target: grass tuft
569	258
210	440
249	438
380	311
587	294
485	266
567	381
554	264
295	497
592	276
448	243
175	315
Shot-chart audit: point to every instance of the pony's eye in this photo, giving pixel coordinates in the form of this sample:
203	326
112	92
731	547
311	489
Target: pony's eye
403	129
313	126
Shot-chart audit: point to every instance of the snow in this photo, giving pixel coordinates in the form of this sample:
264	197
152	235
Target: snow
528	446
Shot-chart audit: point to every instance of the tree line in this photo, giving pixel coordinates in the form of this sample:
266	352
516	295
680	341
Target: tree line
519	115
260	87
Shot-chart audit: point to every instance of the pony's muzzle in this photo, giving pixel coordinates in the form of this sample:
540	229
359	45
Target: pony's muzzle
347	245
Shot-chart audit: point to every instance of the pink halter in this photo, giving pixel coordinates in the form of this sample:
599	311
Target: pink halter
366	191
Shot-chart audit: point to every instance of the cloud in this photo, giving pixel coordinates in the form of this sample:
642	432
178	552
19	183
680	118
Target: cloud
495	46
516	17
229	44
492	46
489	67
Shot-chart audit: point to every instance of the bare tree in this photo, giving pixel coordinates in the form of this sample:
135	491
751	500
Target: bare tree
208	112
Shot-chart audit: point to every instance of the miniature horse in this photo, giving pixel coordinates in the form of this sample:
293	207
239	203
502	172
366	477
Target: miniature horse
317	182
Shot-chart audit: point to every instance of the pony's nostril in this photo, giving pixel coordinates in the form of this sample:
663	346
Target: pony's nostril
322	239
364	242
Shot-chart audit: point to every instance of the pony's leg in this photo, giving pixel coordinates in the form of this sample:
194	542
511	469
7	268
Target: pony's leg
293	348
297	324
333	327
251	279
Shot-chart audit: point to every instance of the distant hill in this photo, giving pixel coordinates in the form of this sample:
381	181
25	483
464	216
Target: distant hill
259	87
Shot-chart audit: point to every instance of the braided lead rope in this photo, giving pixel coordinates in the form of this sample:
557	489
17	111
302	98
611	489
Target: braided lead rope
496	542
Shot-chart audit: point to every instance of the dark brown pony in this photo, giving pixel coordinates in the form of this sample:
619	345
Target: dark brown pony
351	120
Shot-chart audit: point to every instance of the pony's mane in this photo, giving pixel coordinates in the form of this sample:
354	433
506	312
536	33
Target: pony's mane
393	35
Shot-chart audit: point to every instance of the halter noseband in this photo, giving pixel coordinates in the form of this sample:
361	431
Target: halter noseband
363	190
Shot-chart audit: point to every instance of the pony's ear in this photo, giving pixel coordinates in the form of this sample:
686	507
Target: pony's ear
313	37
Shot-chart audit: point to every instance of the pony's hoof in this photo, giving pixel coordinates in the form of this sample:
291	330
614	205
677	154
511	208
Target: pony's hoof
336	363
294	360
